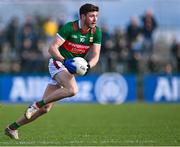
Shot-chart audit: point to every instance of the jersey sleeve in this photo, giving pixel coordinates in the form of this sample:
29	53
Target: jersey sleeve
98	36
65	31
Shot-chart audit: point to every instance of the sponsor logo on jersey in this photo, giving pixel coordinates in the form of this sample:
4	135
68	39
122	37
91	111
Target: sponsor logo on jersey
76	48
74	36
82	38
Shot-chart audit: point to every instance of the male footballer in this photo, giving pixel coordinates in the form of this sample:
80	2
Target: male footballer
80	38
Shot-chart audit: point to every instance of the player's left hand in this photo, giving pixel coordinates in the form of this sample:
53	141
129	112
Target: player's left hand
69	64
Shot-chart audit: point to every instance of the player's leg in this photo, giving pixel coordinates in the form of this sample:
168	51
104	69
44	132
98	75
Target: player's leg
50	89
69	89
61	76
12	131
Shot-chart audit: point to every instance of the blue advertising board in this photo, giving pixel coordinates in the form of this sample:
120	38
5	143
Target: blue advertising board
105	88
161	88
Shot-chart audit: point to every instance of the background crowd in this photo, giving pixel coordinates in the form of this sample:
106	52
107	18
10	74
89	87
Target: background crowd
133	49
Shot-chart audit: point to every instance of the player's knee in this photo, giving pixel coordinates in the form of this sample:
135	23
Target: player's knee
73	91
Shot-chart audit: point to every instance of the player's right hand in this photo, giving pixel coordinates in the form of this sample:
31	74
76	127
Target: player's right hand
69	64
88	68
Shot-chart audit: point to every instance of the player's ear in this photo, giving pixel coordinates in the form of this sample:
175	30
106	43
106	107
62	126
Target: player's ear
83	16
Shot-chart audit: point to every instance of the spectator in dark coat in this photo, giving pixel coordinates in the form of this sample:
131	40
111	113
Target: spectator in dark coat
149	24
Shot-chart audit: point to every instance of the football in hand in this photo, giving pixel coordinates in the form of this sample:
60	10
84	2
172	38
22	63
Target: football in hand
81	65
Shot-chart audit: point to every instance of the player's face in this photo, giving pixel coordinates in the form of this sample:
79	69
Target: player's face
91	19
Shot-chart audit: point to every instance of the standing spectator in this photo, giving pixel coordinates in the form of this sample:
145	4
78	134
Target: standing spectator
50	28
153	64
149	26
2	38
3	66
104	61
122	51
31	58
168	69
28	47
27	32
133	66
175	50
134	40
134	37
12	33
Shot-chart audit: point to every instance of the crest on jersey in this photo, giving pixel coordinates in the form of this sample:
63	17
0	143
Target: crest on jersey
91	39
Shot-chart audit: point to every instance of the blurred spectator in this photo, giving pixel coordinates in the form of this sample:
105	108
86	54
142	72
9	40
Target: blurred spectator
2	38
111	55
31	58
5	58
134	62
121	50
168	69
15	66
4	65
120	39
39	21
42	46
134	37
12	33
61	22
50	27
175	50
105	37
27	32
153	64
134	43
29	21
149	24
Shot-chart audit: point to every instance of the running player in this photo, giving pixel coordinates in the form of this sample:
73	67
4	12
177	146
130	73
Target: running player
80	38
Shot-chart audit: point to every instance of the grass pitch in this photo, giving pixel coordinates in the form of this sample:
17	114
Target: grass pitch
97	125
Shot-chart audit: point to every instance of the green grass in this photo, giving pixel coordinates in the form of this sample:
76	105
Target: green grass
93	124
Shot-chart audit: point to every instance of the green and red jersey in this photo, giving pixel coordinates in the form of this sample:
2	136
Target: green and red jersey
77	43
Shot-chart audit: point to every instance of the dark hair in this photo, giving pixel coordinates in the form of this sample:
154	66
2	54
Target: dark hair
84	9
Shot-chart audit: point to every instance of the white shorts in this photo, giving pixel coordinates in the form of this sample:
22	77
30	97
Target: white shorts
54	68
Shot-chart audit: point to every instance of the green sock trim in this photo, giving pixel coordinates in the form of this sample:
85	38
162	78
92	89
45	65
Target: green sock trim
14	126
41	103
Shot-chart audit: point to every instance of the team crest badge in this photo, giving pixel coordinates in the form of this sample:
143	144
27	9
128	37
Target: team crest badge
91	39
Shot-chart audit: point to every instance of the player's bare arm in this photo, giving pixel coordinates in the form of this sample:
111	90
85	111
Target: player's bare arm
53	49
94	54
